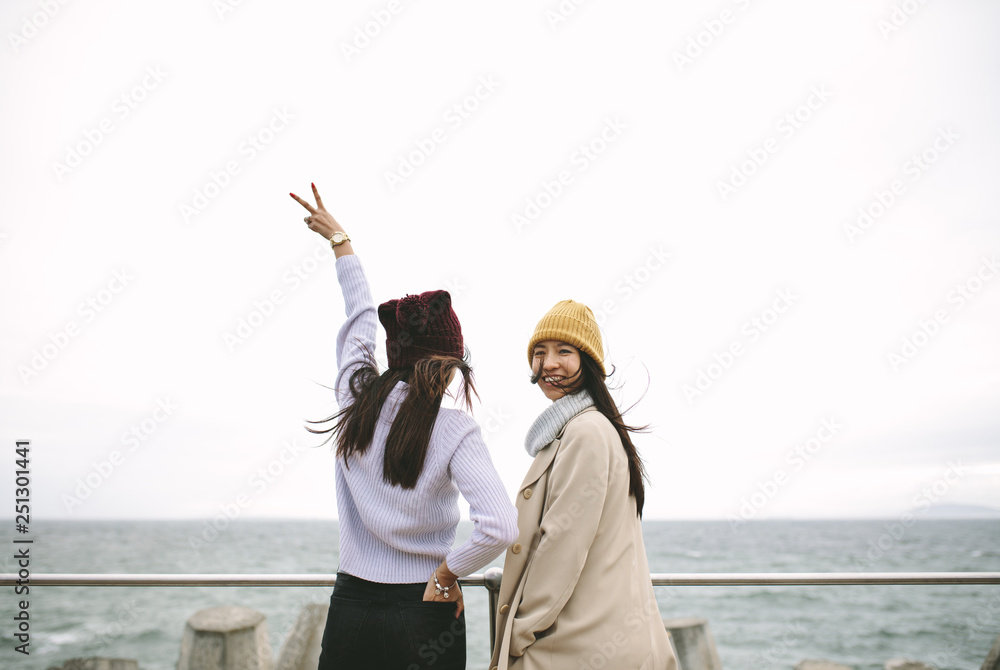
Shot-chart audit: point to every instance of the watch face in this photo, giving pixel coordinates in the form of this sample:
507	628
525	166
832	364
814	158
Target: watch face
338	237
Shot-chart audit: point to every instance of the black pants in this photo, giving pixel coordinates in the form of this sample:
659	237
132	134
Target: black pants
373	626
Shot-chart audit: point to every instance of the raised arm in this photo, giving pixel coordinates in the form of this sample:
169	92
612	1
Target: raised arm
356	339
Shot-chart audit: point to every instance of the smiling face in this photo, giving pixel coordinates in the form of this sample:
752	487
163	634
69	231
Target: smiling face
559	364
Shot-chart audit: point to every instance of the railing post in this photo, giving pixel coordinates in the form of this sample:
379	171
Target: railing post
492	578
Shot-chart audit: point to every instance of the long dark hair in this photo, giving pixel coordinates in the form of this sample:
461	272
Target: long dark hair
410	434
592	379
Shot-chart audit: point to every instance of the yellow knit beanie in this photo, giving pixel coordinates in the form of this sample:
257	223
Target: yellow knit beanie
571	322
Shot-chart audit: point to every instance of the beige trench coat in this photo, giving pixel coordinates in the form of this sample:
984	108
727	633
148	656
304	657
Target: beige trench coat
576	591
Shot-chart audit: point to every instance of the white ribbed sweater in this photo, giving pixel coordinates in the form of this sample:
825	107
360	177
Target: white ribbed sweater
396	536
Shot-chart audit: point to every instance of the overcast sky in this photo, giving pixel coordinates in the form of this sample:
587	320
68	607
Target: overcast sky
783	213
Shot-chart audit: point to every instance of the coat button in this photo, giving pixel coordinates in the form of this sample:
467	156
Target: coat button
504	609
516	549
527	493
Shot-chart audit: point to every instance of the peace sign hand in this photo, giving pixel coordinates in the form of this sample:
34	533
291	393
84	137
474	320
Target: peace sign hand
319	220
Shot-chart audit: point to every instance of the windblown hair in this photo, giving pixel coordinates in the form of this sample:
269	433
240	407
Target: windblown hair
592	379
410	434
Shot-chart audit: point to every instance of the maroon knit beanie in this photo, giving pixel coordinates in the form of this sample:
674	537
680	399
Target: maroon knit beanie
417	326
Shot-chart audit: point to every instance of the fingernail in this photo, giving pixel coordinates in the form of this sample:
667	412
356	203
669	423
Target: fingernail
292	194
313	185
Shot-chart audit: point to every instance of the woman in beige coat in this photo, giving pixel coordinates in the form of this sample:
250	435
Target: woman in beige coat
576	591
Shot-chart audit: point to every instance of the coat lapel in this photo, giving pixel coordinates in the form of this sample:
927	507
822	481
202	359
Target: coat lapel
544	457
539	464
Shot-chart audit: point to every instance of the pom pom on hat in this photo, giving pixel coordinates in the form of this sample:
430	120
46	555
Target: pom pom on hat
412	311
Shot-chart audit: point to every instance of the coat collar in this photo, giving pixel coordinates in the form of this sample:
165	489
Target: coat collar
553	420
547	453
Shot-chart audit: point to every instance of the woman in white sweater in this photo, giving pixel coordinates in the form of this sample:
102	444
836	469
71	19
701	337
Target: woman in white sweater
401	463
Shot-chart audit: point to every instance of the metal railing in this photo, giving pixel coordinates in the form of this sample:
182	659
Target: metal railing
492	577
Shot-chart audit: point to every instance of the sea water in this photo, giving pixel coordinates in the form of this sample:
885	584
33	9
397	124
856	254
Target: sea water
951	626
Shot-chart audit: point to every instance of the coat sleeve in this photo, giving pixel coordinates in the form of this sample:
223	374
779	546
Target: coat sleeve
577	488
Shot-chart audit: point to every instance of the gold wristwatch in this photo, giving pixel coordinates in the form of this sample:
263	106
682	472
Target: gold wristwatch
338	238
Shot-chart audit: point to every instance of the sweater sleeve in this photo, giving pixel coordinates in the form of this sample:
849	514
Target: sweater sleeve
357	336
493	515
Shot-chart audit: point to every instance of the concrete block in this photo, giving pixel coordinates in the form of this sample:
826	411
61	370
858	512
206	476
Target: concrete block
303	645
819	664
98	663
693	644
992	661
225	638
907	664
